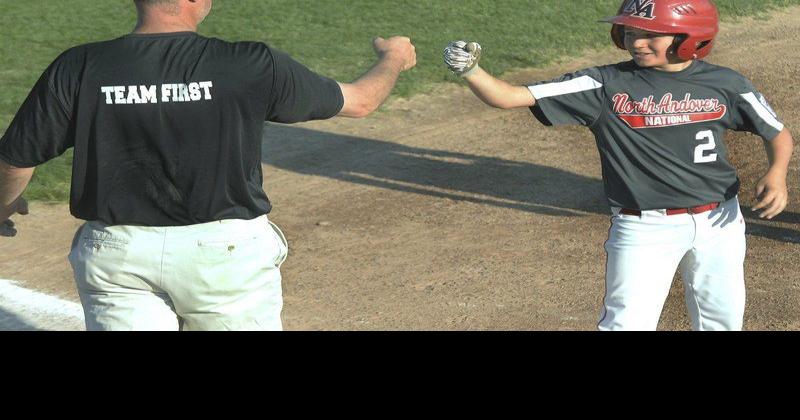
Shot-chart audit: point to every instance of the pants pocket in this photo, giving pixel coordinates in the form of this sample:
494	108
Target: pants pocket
283	245
99	259
74	247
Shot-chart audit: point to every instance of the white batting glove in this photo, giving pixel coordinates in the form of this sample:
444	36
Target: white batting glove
462	57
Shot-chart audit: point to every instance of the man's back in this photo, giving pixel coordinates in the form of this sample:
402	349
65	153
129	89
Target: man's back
167	127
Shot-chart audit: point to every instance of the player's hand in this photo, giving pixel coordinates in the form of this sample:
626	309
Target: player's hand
7	226
397	48
462	57
772	195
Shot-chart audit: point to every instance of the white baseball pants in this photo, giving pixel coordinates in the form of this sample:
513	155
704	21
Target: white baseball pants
221	275
644	252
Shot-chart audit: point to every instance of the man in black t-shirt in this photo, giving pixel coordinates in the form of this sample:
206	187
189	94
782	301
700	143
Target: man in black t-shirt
166	127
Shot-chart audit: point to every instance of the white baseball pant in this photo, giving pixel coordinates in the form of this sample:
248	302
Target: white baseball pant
644	252
222	275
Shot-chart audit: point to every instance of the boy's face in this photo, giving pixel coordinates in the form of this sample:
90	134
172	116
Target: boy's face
650	49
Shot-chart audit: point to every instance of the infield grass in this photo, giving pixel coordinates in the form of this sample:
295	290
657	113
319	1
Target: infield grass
330	36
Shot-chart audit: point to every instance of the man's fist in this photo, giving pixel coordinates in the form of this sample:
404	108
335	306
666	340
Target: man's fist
399	48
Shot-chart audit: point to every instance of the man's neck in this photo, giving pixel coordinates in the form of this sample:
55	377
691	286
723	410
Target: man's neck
163	24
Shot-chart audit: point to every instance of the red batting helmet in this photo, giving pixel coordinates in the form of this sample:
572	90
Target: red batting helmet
697	21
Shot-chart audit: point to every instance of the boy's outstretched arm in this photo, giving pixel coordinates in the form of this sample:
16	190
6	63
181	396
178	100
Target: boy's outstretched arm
462	59
499	93
771	191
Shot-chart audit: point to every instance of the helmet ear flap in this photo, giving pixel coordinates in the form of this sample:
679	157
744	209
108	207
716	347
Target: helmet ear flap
678	47
618	36
692	48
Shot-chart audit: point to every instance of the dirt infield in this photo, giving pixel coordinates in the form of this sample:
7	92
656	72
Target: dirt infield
441	213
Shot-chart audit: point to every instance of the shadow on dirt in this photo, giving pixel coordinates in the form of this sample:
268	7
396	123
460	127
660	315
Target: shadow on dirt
770	229
457	176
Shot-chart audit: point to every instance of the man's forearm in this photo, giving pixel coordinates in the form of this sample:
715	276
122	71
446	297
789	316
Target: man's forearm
13	182
377	84
365	95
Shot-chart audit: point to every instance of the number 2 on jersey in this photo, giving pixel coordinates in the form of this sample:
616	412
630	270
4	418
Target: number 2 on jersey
699	151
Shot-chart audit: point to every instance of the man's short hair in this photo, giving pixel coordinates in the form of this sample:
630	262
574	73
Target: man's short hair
169	5
153	2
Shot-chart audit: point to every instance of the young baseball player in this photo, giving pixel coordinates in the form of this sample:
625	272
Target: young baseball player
659	121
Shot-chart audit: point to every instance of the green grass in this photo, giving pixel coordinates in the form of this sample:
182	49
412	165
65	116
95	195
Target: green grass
330	36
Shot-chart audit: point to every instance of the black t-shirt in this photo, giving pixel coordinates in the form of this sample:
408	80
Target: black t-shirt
167	128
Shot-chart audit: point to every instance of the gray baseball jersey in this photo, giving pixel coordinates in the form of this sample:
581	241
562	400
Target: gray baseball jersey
660	134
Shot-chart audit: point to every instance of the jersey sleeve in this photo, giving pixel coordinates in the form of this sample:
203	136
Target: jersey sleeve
298	94
41	129
752	113
573	99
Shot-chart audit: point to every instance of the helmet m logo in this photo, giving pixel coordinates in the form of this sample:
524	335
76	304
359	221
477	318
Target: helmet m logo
640	8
